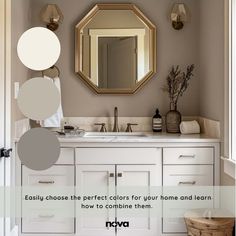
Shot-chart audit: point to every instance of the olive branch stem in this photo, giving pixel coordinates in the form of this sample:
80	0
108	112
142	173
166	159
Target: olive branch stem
177	82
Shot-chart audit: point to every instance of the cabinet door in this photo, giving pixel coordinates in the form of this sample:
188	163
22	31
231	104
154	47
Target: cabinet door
92	180
146	176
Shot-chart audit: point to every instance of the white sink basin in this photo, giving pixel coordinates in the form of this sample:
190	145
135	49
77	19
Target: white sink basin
114	135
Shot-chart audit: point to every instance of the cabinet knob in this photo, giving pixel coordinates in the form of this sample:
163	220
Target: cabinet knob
119	174
111	175
46	216
187	156
46	182
187	183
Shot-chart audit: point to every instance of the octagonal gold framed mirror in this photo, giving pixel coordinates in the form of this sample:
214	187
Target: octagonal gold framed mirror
115	50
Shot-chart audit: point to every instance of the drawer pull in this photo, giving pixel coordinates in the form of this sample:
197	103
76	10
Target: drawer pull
46	216
187	183
46	182
111	175
187	156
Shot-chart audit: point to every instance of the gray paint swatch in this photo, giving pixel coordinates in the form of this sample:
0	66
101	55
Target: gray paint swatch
38	149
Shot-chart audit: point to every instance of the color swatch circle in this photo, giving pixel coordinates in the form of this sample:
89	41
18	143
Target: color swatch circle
38	98
38	149
38	48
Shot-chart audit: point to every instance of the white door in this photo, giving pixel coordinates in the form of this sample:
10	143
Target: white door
122	63
2	113
100	179
5	118
2	160
146	176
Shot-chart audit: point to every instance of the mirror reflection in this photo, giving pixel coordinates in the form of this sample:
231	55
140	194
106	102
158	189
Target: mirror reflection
115	48
117	62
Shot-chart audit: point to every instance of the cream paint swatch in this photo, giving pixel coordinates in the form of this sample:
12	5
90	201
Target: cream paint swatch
38	99
38	48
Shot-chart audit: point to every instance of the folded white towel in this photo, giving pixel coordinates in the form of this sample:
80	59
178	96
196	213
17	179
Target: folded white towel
55	120
189	127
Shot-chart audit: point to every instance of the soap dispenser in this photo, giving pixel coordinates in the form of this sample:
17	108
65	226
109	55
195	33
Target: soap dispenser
157	122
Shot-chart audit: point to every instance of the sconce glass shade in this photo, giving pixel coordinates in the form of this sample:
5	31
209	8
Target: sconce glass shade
179	15
52	16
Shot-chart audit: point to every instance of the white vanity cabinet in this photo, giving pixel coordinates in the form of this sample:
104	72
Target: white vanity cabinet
85	164
106	168
186	166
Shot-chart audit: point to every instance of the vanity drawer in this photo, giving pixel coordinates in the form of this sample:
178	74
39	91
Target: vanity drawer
54	176
66	157
47	224
118	156
184	175
189	156
38	217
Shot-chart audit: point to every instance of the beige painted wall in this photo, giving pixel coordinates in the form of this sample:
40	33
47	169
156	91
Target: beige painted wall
211	57
21	19
211	65
174	47
200	42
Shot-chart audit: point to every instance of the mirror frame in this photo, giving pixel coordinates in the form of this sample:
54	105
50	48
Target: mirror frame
152	46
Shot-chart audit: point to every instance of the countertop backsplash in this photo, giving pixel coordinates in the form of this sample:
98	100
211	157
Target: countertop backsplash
209	127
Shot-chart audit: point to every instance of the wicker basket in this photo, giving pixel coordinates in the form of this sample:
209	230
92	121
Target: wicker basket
199	226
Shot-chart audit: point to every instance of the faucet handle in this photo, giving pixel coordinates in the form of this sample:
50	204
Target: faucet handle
129	127
103	127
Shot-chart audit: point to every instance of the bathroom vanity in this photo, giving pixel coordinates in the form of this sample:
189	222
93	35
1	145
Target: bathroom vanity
108	160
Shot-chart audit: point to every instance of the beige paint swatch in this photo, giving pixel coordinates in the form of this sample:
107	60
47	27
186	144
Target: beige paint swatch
38	98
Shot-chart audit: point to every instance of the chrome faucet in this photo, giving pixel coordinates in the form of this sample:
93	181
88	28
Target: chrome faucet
116	127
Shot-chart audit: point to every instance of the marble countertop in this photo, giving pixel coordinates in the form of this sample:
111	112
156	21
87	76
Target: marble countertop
147	137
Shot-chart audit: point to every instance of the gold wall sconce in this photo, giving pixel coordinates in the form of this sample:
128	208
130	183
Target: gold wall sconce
179	15
52	16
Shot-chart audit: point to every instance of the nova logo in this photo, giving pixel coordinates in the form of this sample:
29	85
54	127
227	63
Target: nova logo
117	224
